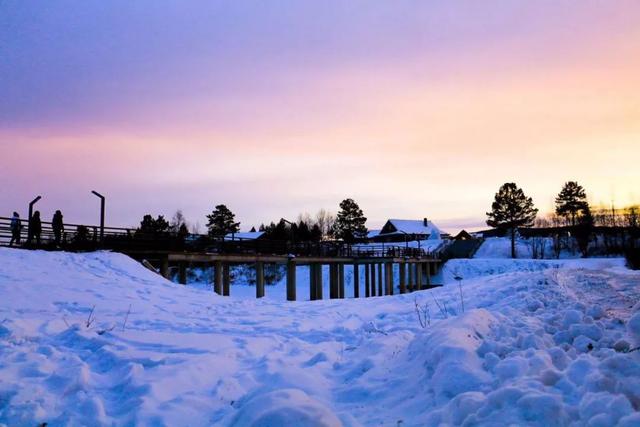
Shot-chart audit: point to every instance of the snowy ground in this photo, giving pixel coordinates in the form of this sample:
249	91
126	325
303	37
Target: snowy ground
538	343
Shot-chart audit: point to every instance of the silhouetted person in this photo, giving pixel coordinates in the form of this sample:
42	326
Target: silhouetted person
58	227
16	229
35	228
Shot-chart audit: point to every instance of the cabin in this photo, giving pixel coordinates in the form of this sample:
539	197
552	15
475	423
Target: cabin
407	230
463	235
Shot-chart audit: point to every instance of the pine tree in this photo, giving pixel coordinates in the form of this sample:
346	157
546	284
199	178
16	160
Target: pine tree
349	225
304	234
153	226
316	233
183	231
222	222
571	202
253	230
511	209
147	225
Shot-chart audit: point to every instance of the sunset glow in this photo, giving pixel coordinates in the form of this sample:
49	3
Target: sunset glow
413	109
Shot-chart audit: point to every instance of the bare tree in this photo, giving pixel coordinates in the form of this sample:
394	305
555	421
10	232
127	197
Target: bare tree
325	221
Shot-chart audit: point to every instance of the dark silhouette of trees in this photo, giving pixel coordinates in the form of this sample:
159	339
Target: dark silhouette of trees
298	232
511	209
253	230
153	227
303	233
222	222
315	233
179	226
349	225
571	203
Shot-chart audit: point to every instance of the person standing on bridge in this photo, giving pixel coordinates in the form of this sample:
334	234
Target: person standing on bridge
16	229
58	227
35	228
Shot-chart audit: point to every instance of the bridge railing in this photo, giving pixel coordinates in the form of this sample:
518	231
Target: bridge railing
79	237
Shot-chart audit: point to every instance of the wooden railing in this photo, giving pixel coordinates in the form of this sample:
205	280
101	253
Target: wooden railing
79	237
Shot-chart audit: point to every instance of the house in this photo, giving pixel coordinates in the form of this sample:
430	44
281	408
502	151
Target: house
248	235
371	234
407	230
463	235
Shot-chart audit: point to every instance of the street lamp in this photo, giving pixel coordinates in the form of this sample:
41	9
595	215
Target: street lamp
33	202
101	197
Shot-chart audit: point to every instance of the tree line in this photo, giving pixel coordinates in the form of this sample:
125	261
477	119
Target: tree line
348	225
512	209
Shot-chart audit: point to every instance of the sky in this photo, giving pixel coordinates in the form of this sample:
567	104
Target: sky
412	108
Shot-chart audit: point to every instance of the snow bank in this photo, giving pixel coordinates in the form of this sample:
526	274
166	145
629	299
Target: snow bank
481	267
96	339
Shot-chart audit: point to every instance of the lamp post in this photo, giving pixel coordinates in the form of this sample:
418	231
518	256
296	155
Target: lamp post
101	197
33	202
293	238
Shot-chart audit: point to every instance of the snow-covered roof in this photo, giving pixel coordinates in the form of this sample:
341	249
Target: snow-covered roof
372	233
247	235
412	226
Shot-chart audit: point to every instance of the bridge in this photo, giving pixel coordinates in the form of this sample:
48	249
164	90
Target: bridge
164	252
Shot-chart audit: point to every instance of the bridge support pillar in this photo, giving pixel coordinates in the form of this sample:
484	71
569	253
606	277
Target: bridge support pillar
291	280
402	272
313	286
419	276
259	279
356	280
226	280
380	281
373	280
182	277
217	279
333	282
387	279
428	274
164	267
367	281
341	280
319	281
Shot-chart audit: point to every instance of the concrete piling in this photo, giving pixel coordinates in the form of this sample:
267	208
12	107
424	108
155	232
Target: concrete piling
259	279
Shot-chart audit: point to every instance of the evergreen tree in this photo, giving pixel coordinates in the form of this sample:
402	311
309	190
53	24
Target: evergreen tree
222	222
316	233
147	225
511	209
304	234
571	202
349	225
253	230
162	225
183	231
153	226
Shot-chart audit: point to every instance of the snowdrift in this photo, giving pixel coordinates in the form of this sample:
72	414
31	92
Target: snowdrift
96	339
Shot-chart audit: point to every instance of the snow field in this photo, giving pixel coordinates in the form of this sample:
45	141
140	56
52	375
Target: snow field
535	346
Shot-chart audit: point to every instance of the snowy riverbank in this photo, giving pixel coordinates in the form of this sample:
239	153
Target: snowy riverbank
96	339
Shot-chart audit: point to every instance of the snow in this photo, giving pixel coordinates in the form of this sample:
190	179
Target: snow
428	245
412	226
500	247
97	339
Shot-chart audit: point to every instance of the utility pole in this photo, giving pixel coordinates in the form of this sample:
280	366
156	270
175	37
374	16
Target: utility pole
33	202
